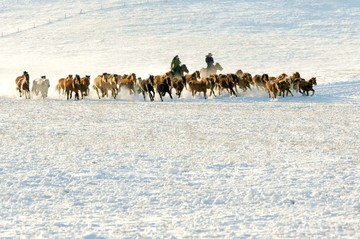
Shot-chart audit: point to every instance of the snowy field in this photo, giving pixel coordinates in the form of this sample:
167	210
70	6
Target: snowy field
225	167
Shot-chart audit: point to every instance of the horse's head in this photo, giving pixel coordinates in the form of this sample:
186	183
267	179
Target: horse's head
215	78
132	77
265	77
184	68
85	80
296	75
105	77
69	77
112	79
313	80
239	72
77	80
27	77
218	66
196	74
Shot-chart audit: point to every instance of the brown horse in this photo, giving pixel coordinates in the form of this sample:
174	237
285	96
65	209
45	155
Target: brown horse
270	86
304	86
244	80
105	82
194	76
60	87
179	85
127	81
77	82
225	82
212	70
69	86
283	85
197	86
23	84
84	86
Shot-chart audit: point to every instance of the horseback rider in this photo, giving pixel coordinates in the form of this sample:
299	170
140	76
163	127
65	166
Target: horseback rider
209	60
175	64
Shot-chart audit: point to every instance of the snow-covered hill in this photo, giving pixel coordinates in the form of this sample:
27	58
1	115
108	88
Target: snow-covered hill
225	167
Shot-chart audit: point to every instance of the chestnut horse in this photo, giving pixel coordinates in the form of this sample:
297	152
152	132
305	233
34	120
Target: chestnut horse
23	84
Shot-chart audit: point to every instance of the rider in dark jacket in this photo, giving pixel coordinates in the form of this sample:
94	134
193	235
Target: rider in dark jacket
209	60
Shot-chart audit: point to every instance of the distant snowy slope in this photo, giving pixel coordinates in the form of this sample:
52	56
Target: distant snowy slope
89	37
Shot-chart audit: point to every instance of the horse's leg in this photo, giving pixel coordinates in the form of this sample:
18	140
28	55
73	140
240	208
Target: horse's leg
213	92
233	91
97	92
289	91
161	96
152	93
275	94
236	90
143	92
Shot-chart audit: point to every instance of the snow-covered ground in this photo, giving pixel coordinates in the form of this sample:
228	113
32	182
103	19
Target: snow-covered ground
226	167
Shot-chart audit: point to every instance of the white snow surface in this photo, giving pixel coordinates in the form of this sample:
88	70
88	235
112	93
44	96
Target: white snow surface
225	167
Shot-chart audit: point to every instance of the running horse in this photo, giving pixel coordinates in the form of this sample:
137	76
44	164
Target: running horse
204	72
180	72
23	84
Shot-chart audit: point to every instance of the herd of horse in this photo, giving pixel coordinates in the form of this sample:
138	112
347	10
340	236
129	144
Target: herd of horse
200	81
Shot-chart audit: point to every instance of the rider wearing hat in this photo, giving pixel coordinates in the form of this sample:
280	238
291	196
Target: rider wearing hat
209	60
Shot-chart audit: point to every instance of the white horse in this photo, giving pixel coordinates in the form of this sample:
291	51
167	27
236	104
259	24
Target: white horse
41	85
204	72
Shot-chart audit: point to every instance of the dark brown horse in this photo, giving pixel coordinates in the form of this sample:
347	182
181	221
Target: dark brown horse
84	86
146	86
179	84
23	84
180	73
69	86
164	87
304	86
77	86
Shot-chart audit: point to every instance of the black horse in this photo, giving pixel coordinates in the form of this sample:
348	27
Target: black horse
147	86
164	87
